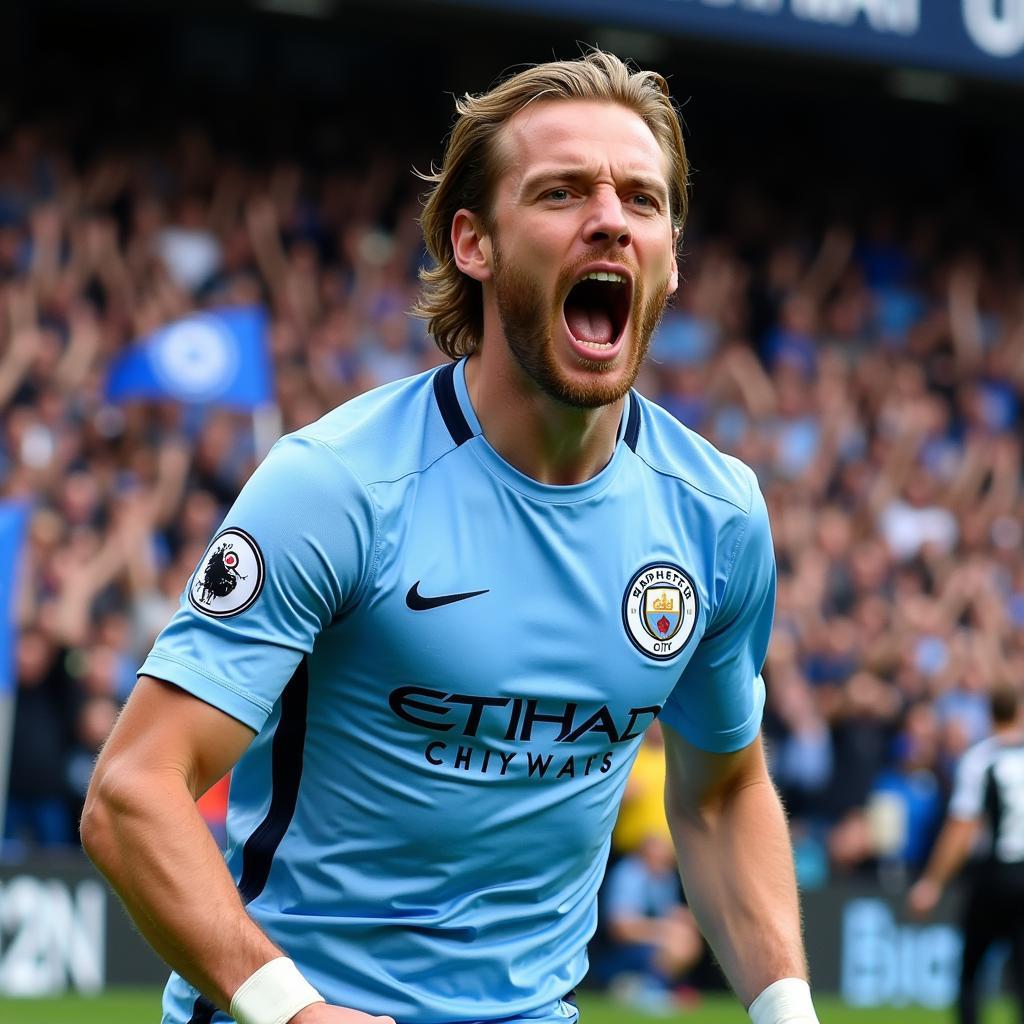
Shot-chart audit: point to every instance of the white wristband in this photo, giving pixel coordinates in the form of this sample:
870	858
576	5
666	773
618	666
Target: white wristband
784	1002
273	994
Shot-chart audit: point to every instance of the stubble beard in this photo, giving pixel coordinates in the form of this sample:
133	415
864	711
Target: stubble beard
528	325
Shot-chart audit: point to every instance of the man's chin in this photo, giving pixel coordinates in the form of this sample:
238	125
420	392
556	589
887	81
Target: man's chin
590	384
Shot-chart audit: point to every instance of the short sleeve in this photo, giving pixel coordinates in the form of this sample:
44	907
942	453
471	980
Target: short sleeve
294	551
968	798
718	701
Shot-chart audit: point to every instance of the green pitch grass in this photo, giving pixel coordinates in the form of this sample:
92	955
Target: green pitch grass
135	1006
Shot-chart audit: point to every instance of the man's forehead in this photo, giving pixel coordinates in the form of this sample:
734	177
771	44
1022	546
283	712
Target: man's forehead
579	133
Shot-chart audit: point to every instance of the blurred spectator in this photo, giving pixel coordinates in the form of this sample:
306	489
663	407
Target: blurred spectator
39	812
801	744
188	248
904	807
653	938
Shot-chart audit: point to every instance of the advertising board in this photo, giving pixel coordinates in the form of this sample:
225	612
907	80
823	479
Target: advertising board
976	37
62	930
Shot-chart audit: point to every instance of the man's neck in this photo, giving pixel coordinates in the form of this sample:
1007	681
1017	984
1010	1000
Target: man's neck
1008	732
543	438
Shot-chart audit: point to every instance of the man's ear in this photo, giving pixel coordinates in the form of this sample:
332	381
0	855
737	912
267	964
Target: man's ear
471	245
673	277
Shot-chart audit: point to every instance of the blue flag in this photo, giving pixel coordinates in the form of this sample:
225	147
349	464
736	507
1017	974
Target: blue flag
217	356
13	519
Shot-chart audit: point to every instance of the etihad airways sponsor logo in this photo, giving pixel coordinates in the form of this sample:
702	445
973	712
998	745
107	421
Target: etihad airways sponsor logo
517	720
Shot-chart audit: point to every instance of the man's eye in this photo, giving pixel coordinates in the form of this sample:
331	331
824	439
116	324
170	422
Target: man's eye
641	199
559	194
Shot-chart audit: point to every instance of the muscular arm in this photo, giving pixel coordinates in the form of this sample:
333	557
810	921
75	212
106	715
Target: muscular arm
142	830
734	853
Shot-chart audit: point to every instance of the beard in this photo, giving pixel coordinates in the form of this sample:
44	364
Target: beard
529	324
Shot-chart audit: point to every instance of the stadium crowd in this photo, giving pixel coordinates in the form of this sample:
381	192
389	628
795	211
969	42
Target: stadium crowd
869	375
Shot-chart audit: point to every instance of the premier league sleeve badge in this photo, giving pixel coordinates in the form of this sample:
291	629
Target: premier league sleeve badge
230	576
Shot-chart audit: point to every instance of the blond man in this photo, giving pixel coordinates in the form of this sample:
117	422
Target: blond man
435	625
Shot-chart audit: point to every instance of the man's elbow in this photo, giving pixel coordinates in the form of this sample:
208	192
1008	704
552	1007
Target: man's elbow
688	811
692	812
700	797
98	828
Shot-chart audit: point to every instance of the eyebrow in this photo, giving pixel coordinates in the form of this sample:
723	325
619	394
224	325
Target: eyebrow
574	175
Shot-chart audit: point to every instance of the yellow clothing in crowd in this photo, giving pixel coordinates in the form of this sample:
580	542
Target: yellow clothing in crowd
643	806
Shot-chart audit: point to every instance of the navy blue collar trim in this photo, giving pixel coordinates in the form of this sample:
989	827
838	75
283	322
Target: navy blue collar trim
632	432
448	404
459	428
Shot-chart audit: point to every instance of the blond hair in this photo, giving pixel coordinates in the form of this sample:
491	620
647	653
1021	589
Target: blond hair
450	301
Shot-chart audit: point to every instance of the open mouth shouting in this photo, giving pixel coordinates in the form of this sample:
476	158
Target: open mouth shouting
596	311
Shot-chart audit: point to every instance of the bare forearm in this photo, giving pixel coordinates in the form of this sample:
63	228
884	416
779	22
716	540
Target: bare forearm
149	840
737	868
952	848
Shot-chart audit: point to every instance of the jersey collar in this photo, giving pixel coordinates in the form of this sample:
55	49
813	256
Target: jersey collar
460	419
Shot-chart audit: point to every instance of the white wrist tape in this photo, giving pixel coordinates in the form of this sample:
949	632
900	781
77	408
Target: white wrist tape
273	994
784	1002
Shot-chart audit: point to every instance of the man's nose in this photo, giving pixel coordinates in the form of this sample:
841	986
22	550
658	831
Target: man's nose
606	221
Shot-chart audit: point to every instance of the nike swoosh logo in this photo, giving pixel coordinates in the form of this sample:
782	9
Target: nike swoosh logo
418	603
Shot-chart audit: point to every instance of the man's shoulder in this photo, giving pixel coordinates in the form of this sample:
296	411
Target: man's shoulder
980	755
386	433
995	746
674	450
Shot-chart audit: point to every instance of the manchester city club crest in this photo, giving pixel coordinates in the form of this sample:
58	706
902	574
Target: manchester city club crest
230	576
659	610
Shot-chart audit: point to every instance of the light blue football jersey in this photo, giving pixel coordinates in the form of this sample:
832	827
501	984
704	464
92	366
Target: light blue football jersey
449	667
